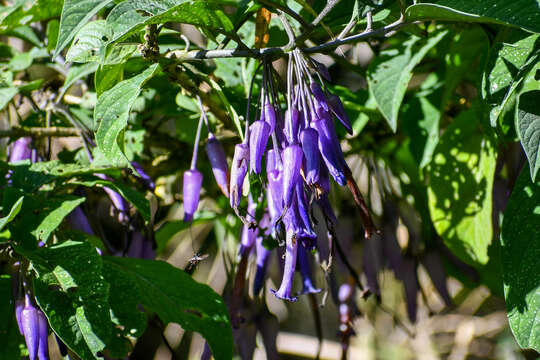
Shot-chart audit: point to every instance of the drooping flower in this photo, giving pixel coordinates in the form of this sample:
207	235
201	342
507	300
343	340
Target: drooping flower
263	257
337	108
191	192
291	248
218	161
305	272
292	158
239	169
258	139
20	150
43	328
292	124
144	178
30	325
318	93
309	140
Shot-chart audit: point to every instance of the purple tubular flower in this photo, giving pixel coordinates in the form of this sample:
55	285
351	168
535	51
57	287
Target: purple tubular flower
218	161
292	123
19	306
21	149
345	293
258	138
136	245
191	192
309	139
285	290
30	325
318	93
330	148
249	234
292	157
270	116
238	173
275	194
323	70
305	271
144	178
78	221
43	347
263	257
117	200
339	111
303	212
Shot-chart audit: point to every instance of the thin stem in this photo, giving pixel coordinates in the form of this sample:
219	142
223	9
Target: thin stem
39	132
196	148
203	113
246	137
329	6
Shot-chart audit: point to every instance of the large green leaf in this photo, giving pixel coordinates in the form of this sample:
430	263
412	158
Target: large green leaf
176	297
390	73
522	13
460	190
12	213
75	14
111	115
528	128
520	254
510	58
51	214
129	17
6	94
71	291
22	12
107	76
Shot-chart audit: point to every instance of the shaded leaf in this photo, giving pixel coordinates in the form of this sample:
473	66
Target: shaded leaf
520	254
461	187
12	213
111	114
6	94
528	128
176	297
73	294
75	14
390	73
521	13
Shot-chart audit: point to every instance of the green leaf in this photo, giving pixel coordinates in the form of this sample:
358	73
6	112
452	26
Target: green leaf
88	42
112	111
77	72
127	17
12	213
107	76
176	297
53	27
75	14
510	58
521	13
53	213
134	197
461	187
22	12
390	73
520	253
528	128
6	94
71	291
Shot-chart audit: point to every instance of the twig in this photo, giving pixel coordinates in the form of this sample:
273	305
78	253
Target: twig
40	132
330	4
181	56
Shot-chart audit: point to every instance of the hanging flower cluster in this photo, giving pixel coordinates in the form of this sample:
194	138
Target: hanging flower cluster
302	152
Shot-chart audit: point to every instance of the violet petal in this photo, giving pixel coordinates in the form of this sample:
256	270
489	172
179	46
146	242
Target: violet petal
292	158
191	192
218	161
258	139
238	173
309	139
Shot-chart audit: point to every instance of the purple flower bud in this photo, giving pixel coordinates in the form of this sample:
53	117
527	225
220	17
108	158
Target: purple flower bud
292	123
19	306
43	347
238	173
309	139
330	148
305	271
318	93
271	161
292	158
285	290
218	161
339	111
30	325
21	150
258	138
144	178
78	221
270	116
191	192
117	200
323	70
263	257
303	212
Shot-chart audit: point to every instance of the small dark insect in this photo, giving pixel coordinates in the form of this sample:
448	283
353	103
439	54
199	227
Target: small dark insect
194	261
